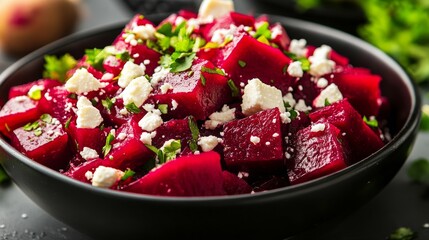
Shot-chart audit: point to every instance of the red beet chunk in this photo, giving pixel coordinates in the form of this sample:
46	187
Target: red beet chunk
361	89
225	22
233	185
17	112
338	58
193	175
93	138
318	153
262	61
46	145
58	103
127	150
23	89
78	172
280	38
113	65
174	129
360	137
242	149
141	52
306	89
194	97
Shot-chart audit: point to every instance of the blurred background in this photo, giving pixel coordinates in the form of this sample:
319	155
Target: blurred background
398	27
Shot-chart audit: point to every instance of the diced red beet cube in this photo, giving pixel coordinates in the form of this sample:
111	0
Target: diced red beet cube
186	14
358	135
254	143
362	91
23	89
279	35
193	175
247	58
79	172
46	144
338	58
198	94
17	112
306	89
113	65
93	138
58	103
177	129
225	22
141	52
233	185
318	153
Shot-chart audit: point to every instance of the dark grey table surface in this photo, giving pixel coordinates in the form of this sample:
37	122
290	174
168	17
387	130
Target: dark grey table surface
400	204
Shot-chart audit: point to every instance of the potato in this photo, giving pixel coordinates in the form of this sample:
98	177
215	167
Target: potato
26	25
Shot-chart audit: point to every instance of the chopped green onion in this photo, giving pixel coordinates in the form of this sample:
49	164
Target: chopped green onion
212	71
132	108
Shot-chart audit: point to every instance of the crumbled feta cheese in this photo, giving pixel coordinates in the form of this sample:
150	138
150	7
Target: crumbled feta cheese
149	107
159	75
220	35
87	115
146	62
320	63
255	140
174	104
165	87
259	96
267	143
301	106
275	134
123	111
107	76
88	175
144	32
88	153
105	177
322	83
121	136
82	82
330	93
276	31
295	70
219	118
298	47
193	23
179	20
212	9
150	122
137	91
146	138
318	127
129	72
322	52
208	143
285	117
136	55
288	98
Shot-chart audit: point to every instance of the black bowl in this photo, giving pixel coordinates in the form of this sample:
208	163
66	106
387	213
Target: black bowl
274	214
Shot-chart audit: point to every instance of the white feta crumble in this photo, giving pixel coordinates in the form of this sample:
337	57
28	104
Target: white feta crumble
255	140
259	96
165	87
88	153
144	32
320	62
88	116
289	99
137	91
136	55
146	62
123	111
212	9
159	75
220	35
150	122
179	20
220	118
322	82
285	117
105	177
146	138
318	127
295	70
275	135
34	89
208	143
276	31
129	72
321	52
121	136
82	82
174	104
267	143
89	175
331	94
298	47
301	106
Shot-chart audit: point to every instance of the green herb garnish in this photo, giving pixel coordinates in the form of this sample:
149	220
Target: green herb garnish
57	68
242	63
108	146
234	90
95	57
170	151
203	80
35	94
327	103
263	31
31	126
46	118
107	103
212	71
132	108
163	108
195	132
67	124
127	174
372	122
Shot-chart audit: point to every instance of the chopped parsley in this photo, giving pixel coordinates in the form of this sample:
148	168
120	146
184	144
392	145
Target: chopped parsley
67	124
242	63
234	90
95	57
35	94
31	126
402	233
213	71
46	118
132	108
418	171
166	153
57	68
203	80
372	122
178	62
108	146
127	174
263	31
163	108
108	103
195	132
327	103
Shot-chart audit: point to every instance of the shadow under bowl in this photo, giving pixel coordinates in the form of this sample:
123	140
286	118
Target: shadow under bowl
274	214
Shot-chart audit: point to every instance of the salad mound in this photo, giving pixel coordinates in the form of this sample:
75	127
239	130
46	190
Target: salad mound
202	104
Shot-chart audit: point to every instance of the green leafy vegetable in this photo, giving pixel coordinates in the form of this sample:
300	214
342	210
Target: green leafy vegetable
167	152
46	118
203	80
242	63
108	103
234	90
263	31
108	146
132	108
3	176
31	126
163	108
372	122
402	233
57	68
195	132
327	103
418	171
95	57
127	174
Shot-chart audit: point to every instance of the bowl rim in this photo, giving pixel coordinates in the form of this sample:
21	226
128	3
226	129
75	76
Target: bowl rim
409	127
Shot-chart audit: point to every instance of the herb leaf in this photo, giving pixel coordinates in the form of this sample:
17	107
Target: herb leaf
242	63
212	71
234	89
372	122
127	174
263	31
107	103
132	108
195	132
108	146
95	57
57	68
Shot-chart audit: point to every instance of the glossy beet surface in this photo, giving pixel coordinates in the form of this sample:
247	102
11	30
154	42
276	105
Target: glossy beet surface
275	214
